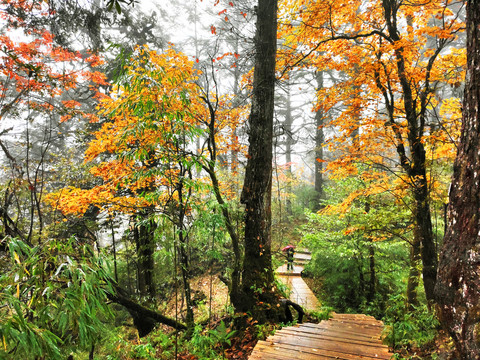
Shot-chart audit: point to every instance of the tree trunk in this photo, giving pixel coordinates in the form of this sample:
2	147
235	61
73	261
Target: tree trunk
288	151
458	282
372	288
423	220
144	231
415	166
371	257
414	274
257	274
183	253
319	140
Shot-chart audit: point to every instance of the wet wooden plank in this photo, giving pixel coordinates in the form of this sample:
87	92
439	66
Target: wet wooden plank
331	343
271	349
344	337
288	352
325	331
300	292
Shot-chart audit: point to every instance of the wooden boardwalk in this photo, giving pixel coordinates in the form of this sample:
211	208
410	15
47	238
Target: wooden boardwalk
344	336
300	293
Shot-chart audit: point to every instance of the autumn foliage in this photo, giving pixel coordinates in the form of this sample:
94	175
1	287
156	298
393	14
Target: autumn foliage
152	119
364	99
36	72
398	69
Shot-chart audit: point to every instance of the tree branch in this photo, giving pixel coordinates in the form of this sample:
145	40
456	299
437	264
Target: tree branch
144	319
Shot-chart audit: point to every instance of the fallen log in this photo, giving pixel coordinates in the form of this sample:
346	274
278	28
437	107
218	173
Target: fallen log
144	319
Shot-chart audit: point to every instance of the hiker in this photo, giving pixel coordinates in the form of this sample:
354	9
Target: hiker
290	253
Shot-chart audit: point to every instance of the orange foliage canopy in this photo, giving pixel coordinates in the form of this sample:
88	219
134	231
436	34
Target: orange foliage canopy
154	115
382	54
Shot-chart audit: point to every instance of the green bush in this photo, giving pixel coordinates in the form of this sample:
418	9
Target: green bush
405	328
324	313
208	344
52	300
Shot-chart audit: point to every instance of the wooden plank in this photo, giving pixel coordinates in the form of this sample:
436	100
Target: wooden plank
333	332
367	334
289	351
355	325
371	326
329	333
315	340
335	344
361	318
348	334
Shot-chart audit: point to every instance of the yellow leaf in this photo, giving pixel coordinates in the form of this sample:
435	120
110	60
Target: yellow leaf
17	259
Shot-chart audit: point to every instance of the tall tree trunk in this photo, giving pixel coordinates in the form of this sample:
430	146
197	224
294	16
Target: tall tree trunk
257	274
458	281
237	100
288	150
183	253
415	165
319	141
416	248
372	282
371	257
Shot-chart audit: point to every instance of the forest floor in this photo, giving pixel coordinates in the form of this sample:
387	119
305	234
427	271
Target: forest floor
210	297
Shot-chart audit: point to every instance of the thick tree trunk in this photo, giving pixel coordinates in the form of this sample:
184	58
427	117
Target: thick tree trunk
257	275
458	283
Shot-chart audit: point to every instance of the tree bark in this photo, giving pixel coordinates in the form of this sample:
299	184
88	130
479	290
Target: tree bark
257	274
458	282
372	282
